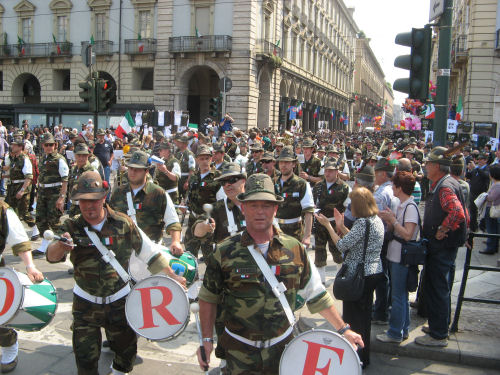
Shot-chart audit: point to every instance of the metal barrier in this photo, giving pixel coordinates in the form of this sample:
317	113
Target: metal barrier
467	267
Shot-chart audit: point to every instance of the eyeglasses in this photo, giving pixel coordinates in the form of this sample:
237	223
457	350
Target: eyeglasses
48	144
266	161
231	180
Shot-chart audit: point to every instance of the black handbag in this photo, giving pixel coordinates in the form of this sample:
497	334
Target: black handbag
351	288
413	252
412	278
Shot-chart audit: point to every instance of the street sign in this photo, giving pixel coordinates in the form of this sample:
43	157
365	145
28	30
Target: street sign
437	9
225	84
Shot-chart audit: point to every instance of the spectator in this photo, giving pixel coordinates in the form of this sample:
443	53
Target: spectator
403	225
363	206
226	124
479	180
493	199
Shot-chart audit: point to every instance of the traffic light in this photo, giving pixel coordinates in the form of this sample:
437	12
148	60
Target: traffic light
214	107
88	93
418	63
104	95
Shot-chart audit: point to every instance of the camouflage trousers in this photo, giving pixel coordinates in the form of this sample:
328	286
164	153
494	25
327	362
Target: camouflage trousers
321	239
180	186
296	230
47	215
21	206
8	337
193	244
88	319
244	359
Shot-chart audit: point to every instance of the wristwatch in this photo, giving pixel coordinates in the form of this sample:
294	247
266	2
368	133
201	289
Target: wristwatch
208	339
342	330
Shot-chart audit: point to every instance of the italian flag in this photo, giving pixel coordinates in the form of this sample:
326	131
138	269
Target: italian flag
140	43
20	46
275	51
203	183
276	270
125	126
316	112
430	111
92	41
107	241
138	206
299	109
58	46
198	35
460	110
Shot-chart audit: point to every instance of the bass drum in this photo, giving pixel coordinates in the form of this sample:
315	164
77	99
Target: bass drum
185	265
316	350
157	308
25	306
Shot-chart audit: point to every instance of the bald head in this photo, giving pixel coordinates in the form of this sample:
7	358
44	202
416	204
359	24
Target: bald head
404	165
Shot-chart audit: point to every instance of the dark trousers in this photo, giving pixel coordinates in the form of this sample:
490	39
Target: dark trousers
359	315
473	213
382	290
439	268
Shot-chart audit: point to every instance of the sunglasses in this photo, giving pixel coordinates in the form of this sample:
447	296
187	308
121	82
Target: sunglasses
230	181
48	144
265	161
256	152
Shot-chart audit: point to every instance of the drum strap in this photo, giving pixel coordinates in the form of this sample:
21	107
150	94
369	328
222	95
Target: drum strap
231	227
131	210
278	288
107	255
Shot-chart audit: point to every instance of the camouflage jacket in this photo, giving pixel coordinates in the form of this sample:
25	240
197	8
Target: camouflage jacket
250	307
201	191
329	198
349	152
120	235
293	191
151	204
252	167
219	215
162	179
19	245
49	169
224	162
311	166
230	150
16	169
183	158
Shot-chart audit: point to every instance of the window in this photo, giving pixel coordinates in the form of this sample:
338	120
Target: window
1	80
202	20
100	27
142	79
62	28
61	79
26	30
145	24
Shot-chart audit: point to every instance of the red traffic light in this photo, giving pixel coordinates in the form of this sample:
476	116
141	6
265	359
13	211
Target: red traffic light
105	86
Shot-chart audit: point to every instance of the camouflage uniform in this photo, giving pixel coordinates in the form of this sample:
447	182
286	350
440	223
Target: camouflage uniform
230	150
186	159
311	166
251	310
47	215
253	167
73	177
150	204
8	336
200	191
326	200
170	186
20	169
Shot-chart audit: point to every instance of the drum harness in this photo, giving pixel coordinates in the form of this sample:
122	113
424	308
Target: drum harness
131	210
109	257
279	290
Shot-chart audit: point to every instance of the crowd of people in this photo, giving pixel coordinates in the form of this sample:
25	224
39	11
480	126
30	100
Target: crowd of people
257	191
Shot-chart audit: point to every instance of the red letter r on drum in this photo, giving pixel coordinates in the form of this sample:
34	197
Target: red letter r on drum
9	295
312	357
147	308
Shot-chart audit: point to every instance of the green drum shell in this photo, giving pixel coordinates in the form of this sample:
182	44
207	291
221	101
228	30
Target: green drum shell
185	265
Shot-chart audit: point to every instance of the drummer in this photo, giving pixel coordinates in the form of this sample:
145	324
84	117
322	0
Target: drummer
257	324
100	286
13	234
147	204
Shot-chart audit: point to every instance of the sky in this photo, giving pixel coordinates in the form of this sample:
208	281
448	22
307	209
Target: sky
381	20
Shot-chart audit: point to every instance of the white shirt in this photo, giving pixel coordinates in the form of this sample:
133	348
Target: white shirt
411	216
16	233
63	168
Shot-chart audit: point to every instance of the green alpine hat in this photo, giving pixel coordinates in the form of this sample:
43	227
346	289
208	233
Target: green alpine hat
17	141
259	187
230	170
267	156
89	186
181	138
384	164
366	174
48	138
139	159
439	155
82	149
257	146
308	142
219	147
287	154
165	146
331	163
101	132
203	150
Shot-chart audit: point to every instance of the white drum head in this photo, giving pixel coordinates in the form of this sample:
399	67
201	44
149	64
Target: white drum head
11	294
157	308
320	349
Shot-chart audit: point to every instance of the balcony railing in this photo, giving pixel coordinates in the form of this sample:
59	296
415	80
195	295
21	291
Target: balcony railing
461	47
205	43
140	47
266	48
29	50
101	47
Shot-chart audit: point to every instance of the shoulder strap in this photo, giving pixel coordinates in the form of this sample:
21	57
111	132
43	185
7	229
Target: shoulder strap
277	287
367	235
131	210
418	213
107	255
232	228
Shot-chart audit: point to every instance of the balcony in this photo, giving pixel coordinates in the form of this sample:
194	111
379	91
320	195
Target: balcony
205	43
32	50
460	50
100	47
140	47
265	48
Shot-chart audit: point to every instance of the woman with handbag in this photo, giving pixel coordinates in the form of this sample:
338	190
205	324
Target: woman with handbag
404	225
362	268
492	214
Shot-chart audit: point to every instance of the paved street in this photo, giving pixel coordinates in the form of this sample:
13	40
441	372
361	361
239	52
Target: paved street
49	351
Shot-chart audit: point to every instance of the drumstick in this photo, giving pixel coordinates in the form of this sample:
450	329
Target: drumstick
195	308
208	208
